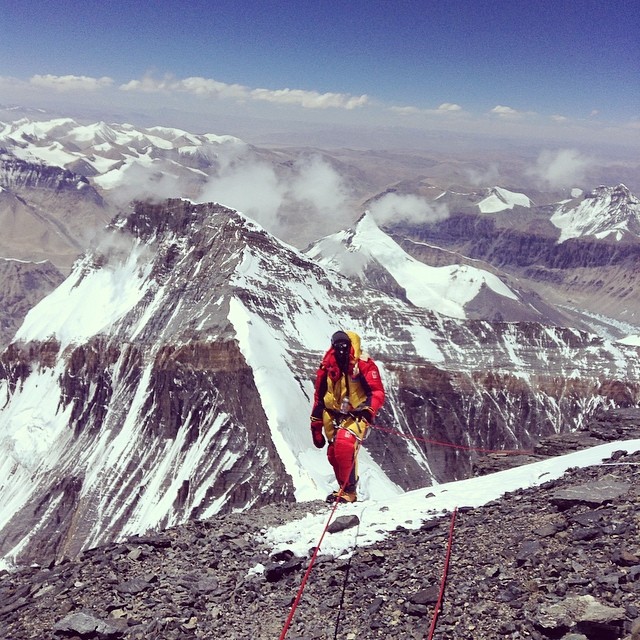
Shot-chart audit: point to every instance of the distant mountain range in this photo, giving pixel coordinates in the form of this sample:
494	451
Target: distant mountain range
108	152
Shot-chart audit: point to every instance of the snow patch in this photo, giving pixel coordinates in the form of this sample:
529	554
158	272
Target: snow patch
88	302
500	199
379	518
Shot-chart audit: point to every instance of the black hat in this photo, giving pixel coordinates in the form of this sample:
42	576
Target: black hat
340	336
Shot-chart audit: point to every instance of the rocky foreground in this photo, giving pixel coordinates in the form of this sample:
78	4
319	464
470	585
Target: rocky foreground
558	561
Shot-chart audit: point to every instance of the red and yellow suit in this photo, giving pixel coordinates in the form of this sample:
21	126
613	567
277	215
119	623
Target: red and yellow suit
362	385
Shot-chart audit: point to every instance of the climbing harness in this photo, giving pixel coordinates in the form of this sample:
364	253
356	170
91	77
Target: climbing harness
339	418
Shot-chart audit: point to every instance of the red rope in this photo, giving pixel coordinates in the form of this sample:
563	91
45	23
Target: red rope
443	582
305	578
451	445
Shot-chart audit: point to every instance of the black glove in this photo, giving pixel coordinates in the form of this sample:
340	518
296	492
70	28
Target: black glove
364	413
316	432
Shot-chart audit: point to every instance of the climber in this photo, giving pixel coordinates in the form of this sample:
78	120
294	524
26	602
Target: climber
348	394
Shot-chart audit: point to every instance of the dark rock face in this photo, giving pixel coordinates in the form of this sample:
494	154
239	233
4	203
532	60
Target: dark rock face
47	213
22	286
606	425
183	397
520	567
19	174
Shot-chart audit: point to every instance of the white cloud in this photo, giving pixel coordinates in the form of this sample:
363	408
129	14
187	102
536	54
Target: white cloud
487	177
395	206
198	103
195	85
561	168
310	99
70	83
252	188
315	182
213	88
444	108
207	86
405	111
311	192
502	110
449	106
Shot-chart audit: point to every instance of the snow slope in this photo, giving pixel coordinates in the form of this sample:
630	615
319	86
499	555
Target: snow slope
500	199
445	290
380	517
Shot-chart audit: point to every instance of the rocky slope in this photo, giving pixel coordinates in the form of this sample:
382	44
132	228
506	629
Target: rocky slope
22	285
47	213
558	561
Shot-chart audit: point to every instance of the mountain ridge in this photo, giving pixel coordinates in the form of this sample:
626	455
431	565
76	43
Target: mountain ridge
178	379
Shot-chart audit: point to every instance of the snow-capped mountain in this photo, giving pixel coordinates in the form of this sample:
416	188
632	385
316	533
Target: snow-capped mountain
500	199
63	181
488	200
112	153
291	192
580	268
606	212
170	377
431	278
366	251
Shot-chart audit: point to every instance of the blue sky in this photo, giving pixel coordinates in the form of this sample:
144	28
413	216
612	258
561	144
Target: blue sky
527	68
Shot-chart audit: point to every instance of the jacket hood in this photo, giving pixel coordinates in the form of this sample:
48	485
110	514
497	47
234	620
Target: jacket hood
355	344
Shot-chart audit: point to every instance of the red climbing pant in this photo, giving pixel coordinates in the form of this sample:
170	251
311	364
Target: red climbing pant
341	454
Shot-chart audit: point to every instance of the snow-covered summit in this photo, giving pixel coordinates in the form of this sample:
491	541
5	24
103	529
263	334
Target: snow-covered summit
605	212
500	199
107	152
445	290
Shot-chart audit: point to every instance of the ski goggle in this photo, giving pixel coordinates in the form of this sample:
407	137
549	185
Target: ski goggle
342	346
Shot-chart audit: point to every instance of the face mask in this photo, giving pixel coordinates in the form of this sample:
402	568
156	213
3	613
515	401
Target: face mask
341	350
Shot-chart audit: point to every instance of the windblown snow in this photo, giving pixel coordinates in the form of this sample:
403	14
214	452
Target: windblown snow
89	302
